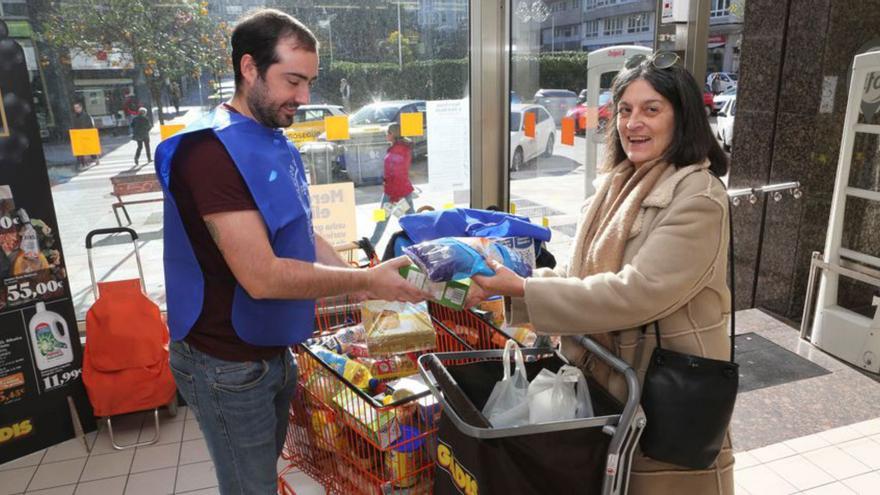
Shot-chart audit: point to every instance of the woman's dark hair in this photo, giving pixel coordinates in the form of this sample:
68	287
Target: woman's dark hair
692	139
258	33
394	131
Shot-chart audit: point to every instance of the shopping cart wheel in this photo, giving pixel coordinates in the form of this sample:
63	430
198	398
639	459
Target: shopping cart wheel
172	407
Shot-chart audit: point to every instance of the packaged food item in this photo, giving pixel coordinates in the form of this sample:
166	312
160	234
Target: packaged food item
495	306
396	327
341	341
356	373
359	350
404	455
324	386
450	294
325	426
386	368
456	258
379	425
524	334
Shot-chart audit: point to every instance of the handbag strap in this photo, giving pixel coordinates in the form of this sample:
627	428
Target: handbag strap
730	282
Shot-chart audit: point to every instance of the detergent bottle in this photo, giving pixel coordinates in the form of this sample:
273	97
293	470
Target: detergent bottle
356	373
50	338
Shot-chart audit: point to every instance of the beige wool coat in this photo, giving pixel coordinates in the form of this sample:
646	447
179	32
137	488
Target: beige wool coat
674	272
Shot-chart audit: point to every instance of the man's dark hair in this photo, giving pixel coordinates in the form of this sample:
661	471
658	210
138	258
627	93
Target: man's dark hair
257	34
692	139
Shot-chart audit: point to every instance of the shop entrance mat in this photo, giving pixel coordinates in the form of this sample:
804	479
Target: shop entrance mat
765	364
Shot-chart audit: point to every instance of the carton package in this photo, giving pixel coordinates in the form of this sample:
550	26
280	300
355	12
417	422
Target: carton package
381	426
451	294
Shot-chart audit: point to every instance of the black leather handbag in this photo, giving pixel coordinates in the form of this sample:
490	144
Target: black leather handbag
688	400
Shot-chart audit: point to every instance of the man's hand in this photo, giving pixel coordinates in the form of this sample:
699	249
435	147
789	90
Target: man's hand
386	283
505	282
475	295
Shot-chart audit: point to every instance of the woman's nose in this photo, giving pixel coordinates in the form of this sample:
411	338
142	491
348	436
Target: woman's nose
634	121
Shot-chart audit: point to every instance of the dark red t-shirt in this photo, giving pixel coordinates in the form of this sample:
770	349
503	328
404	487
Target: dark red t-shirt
205	180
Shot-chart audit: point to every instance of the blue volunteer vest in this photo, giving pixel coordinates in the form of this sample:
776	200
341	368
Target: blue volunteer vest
273	172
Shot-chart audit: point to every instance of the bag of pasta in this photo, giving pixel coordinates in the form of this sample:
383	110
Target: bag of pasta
397	327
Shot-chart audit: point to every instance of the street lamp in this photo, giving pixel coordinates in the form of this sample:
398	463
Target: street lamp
328	24
399	40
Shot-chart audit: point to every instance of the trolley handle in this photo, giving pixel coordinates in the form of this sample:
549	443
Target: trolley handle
108	231
466	409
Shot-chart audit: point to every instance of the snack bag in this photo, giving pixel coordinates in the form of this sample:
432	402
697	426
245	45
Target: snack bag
397	328
391	367
456	258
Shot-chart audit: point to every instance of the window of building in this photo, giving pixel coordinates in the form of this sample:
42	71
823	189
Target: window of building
14	9
591	29
638	23
720	8
613	26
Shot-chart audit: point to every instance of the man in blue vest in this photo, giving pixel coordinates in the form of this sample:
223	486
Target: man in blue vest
242	263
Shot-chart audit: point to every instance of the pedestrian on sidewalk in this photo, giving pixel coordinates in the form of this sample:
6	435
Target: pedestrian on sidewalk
345	93
140	132
397	187
82	120
174	93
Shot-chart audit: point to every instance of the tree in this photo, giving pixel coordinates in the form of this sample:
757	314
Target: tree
408	43
164	39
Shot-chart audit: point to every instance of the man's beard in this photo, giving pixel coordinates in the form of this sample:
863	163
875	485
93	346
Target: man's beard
262	108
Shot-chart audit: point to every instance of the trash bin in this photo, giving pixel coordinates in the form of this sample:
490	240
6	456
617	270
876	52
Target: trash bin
365	161
318	157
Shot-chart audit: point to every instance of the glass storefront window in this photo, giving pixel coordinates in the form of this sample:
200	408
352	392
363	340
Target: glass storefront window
398	62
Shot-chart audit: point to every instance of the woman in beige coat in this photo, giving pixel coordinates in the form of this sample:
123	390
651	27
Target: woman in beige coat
651	246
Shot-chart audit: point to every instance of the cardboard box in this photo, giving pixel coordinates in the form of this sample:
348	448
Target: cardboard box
450	294
379	425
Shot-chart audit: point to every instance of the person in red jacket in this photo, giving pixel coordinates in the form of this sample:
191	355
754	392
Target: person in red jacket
397	186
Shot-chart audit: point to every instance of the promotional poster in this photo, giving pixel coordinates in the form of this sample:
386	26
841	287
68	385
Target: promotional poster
40	351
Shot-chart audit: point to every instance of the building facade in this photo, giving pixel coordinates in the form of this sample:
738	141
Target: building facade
617	22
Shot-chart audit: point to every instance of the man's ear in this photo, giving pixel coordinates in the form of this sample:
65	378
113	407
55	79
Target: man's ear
248	68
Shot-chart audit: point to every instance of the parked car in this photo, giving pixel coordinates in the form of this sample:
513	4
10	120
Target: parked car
361	157
722	98
726	80
308	122
708	100
724	124
514	98
605	113
522	148
557	101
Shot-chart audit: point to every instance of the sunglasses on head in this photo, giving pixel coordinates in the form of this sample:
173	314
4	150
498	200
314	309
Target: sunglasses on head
660	60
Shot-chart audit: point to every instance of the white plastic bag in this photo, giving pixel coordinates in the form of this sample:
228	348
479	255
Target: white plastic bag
559	396
508	404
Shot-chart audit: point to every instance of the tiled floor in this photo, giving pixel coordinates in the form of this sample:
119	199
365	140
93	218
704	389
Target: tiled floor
840	461
818	436
178	463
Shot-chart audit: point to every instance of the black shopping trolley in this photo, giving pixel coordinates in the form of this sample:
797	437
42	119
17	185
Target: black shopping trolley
583	456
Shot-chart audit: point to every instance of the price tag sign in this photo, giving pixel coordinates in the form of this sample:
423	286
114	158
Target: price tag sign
30	288
58	379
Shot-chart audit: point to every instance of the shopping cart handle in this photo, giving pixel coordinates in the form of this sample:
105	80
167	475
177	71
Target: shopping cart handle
108	231
454	395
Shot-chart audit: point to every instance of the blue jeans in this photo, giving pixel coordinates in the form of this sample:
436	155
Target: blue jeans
242	410
380	226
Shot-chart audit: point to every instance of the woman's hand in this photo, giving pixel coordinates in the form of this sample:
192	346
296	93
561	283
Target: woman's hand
475	296
505	282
